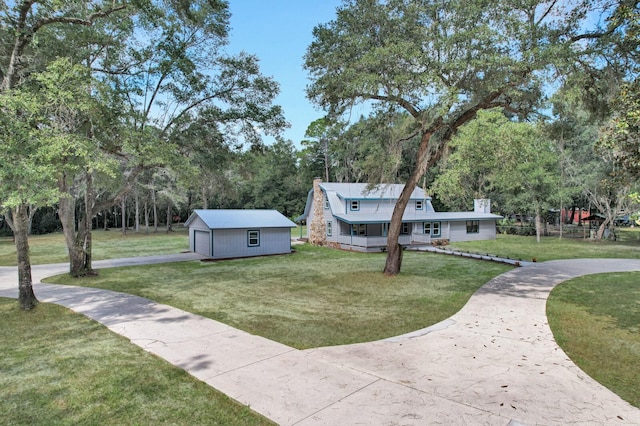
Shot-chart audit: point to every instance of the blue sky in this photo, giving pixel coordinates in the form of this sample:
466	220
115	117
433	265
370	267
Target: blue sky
278	32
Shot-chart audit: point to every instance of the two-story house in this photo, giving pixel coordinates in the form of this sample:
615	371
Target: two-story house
354	216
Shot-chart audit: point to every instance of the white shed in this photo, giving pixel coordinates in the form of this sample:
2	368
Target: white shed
223	234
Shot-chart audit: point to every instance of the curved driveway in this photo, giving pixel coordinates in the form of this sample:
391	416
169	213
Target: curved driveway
495	362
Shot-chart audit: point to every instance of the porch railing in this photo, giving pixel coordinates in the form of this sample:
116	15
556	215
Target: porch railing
420	238
370	242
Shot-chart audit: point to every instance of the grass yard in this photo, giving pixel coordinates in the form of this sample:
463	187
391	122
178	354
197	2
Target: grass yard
314	297
596	320
550	248
51	248
61	368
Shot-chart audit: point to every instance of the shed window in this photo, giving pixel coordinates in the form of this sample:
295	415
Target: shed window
355	205
329	228
473	226
253	238
419	205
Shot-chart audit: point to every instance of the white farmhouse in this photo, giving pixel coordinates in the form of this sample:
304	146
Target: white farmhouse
357	216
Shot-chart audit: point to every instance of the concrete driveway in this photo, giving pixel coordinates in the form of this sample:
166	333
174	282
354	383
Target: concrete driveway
495	362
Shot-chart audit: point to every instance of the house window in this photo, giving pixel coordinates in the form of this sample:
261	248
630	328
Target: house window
419	204
473	226
435	229
329	228
326	203
355	205
405	228
359	229
253	238
427	228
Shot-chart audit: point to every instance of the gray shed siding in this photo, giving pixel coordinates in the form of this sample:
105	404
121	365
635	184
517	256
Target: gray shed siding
202	242
228	243
486	231
198	225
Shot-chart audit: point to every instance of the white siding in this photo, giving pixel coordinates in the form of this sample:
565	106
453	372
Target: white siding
228	243
328	217
486	231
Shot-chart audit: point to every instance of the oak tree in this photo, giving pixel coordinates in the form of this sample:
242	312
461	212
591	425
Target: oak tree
442	62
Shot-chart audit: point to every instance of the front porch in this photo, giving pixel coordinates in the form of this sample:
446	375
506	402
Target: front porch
373	237
379	243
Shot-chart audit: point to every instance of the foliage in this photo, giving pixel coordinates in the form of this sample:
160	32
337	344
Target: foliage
24	159
510	162
621	135
442	63
269	179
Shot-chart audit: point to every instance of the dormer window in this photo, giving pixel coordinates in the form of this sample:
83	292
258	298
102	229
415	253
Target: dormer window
355	205
419	204
326	203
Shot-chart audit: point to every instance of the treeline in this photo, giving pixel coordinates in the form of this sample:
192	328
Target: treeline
112	107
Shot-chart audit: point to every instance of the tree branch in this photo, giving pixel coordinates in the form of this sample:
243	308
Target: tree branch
395	99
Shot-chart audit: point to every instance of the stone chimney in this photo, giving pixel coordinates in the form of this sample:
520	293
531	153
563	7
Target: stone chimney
482	205
318	227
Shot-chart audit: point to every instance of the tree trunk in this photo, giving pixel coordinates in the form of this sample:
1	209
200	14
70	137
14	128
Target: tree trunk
538	224
79	241
394	250
169	219
123	207
561	219
26	296
205	200
146	218
137	225
155	210
32	213
603	226
569	219
326	159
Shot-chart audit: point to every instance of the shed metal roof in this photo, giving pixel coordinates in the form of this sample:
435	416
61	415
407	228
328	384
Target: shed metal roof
237	219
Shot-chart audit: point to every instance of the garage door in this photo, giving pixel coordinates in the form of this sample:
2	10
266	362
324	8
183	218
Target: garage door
202	243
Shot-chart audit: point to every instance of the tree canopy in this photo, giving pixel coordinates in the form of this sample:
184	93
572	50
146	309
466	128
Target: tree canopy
442	62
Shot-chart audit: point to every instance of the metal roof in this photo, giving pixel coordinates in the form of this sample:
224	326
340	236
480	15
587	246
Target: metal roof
236	219
365	191
418	216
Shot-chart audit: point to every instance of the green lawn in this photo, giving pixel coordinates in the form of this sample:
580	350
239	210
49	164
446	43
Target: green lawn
61	368
550	248
51	248
314	297
320	296
596	320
